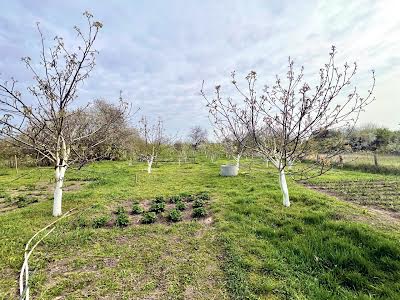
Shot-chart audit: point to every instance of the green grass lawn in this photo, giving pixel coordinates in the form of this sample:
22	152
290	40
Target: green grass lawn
319	248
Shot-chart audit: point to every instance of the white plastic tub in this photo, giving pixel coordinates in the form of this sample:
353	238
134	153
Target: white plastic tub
229	170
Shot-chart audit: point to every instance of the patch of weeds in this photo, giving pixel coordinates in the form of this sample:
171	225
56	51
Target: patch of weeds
148	217
137	209
175	215
120	210
23	201
187	197
82	222
198	203
159	199
122	217
203	196
174	199
180	205
199	212
100	221
157	207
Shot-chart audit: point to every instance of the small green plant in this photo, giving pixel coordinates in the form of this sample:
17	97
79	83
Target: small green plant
157	207
122	220
203	196
199	212
120	210
198	203
175	215
137	209
190	198
174	199
149	217
159	199
179	205
100	221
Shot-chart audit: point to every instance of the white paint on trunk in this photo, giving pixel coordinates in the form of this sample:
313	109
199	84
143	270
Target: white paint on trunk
149	164
284	188
238	160
59	177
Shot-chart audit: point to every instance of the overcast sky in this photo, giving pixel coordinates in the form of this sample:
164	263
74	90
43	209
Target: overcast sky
158	52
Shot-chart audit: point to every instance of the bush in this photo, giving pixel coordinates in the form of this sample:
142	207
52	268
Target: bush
175	215
122	220
157	207
180	205
149	217
100	221
174	199
159	199
137	209
203	196
198	203
199	212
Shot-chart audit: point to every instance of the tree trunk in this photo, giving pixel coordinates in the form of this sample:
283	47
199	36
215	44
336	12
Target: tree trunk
238	161
284	188
59	176
149	165
375	159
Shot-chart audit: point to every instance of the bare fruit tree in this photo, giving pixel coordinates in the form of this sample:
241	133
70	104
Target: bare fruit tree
152	138
226	118
197	136
45	121
285	118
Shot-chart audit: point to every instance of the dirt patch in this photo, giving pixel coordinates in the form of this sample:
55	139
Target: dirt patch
162	217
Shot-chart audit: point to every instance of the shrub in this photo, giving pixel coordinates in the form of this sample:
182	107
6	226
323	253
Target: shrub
180	205
149	217
198	203
175	215
159	199
100	221
122	220
137	209
174	199
157	207
199	212
203	196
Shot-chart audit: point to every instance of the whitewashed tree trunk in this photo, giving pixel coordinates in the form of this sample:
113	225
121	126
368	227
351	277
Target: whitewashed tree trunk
149	164
284	188
237	159
59	177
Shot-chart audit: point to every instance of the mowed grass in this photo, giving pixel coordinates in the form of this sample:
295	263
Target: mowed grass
319	248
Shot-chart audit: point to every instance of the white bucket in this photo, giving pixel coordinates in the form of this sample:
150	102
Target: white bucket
229	170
